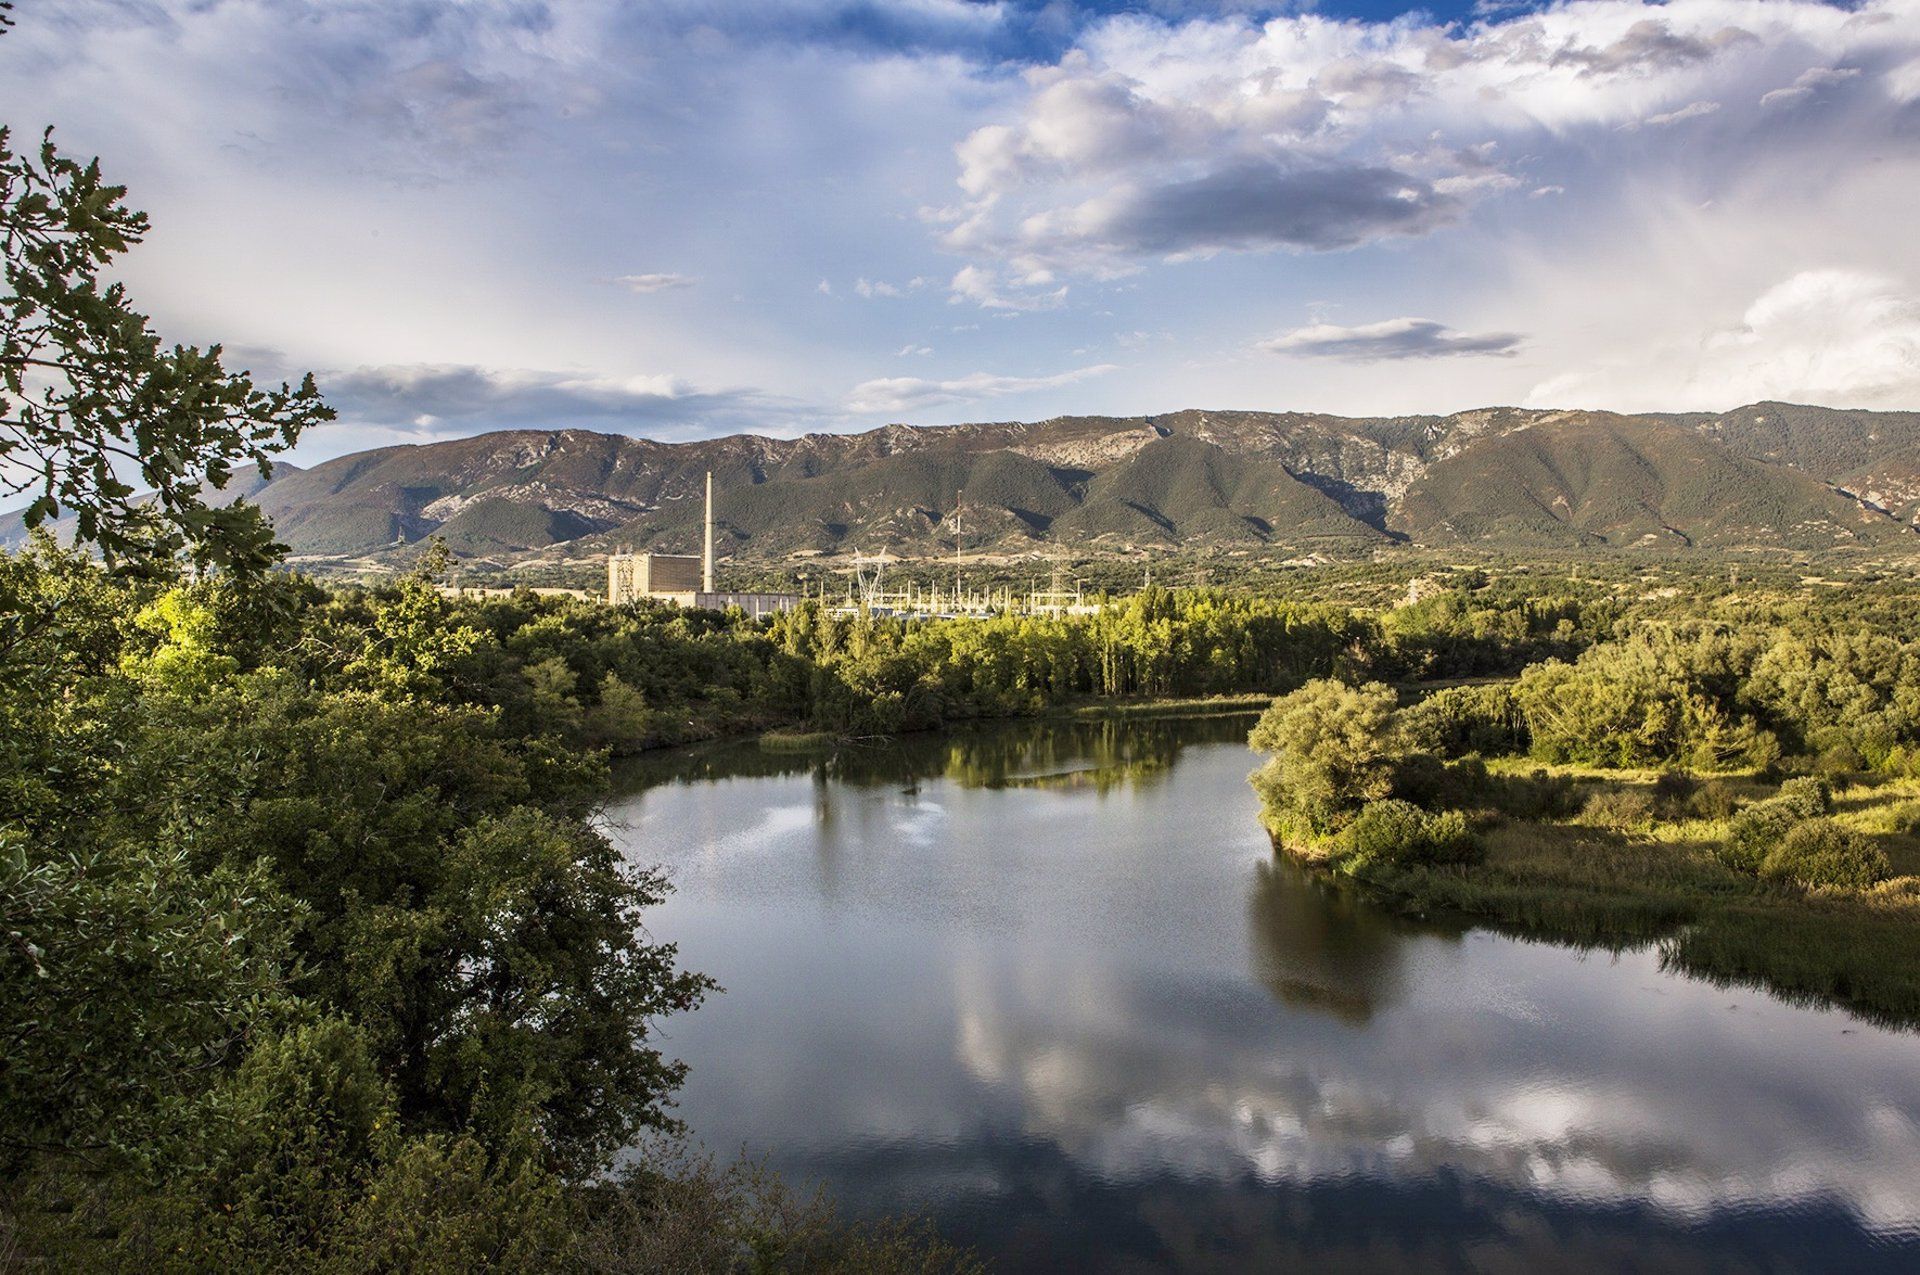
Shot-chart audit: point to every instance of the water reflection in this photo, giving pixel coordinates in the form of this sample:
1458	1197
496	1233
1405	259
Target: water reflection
1094	1024
982	755
1318	945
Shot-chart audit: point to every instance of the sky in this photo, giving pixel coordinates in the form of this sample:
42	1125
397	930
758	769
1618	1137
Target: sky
684	218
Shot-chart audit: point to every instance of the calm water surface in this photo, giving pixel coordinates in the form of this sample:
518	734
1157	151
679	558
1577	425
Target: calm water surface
1046	985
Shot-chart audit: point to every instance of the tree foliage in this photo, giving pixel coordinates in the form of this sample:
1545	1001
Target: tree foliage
1332	749
97	419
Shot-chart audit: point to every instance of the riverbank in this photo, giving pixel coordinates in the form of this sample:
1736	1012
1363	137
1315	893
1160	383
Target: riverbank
800	739
1662	879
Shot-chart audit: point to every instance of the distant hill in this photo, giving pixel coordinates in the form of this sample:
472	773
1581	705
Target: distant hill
245	484
1771	476
1629	481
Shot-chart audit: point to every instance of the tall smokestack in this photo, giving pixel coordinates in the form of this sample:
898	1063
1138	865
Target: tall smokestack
706	571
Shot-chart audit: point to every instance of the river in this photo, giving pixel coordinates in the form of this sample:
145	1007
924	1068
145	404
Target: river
1046	985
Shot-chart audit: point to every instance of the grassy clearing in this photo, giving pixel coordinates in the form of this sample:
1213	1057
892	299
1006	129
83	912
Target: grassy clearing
1605	877
797	741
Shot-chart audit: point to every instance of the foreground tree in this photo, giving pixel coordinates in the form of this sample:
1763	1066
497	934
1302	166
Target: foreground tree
93	409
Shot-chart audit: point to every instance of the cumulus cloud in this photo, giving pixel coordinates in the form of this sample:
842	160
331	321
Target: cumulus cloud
1391	339
901	394
655	282
1155	139
1841	338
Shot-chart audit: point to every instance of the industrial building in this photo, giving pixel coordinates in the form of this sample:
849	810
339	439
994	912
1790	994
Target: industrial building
685	580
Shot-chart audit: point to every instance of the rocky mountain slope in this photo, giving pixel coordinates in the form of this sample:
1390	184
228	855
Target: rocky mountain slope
1770	476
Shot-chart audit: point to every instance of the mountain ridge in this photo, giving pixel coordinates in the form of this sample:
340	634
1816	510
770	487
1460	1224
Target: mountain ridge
1773	476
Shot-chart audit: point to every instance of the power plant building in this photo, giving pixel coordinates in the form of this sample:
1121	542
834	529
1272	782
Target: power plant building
684	580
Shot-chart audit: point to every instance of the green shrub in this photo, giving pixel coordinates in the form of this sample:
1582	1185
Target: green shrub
1673	786
1841	759
1434	784
1906	817
1809	796
1821	853
1714	800
1754	832
1402	835
1332	751
1539	795
1467	719
1624	808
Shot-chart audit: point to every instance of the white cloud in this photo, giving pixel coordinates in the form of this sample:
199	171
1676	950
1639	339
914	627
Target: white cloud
901	394
1807	84
1392	339
1841	338
910	349
1691	111
872	289
984	288
655	282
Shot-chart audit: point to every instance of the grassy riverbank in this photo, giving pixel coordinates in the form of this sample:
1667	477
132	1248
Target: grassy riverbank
1166	706
1582	880
1796	871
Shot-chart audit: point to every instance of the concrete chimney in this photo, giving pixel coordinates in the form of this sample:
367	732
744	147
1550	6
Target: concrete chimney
706	571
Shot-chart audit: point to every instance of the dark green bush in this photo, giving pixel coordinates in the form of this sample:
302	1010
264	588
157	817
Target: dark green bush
1624	808
1539	795
1821	853
1400	834
1808	796
1754	833
1468	719
1714	800
1841	759
1673	786
1435	784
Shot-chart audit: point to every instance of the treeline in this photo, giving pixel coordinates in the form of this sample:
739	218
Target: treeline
646	675
1826	691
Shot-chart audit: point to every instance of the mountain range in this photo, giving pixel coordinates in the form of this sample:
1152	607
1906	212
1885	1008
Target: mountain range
1768	476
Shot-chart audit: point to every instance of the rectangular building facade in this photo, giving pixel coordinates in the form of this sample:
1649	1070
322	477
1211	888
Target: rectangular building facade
641	575
677	578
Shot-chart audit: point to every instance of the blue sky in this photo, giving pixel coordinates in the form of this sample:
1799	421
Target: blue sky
691	217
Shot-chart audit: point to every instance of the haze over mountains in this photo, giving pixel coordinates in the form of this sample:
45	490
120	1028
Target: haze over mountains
1769	476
